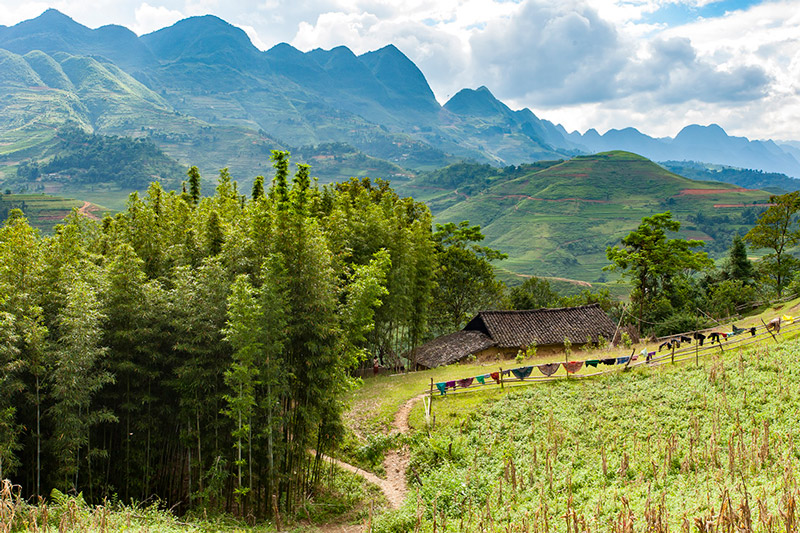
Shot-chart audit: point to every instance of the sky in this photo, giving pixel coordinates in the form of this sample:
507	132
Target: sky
655	65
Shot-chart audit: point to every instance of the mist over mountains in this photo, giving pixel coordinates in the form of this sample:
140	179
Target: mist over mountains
206	96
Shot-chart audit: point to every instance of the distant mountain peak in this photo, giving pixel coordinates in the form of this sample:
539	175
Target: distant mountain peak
478	102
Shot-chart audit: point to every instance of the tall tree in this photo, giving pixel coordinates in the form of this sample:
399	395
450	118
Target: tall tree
655	262
194	185
739	267
465	277
777	230
77	377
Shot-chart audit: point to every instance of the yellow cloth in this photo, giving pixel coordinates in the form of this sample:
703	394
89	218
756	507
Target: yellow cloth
786	319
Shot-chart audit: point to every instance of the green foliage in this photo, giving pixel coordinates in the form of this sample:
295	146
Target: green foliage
656	265
83	158
778	230
465	280
516	456
534	293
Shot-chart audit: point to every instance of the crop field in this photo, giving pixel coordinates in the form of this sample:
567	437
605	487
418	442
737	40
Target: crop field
45	211
559	221
685	447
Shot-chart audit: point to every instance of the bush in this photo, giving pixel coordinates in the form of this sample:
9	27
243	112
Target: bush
680	323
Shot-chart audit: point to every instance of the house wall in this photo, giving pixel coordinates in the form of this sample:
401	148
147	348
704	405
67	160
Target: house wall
503	354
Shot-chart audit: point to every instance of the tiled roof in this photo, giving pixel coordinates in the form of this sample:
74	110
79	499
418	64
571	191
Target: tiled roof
451	348
514	329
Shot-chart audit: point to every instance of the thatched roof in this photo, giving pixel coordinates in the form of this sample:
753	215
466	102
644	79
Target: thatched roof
451	348
514	329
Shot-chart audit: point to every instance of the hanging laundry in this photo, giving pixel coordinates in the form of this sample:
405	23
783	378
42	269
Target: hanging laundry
610	361
774	325
715	336
753	331
787	319
634	358
522	372
451	384
593	362
495	376
736	331
572	366
464	383
670	343
684	338
482	379
442	388
549	369
622	360
506	372
699	337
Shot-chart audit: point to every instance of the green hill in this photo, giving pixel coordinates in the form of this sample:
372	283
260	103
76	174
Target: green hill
557	218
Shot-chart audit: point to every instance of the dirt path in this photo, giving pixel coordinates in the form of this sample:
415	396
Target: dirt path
396	461
85	211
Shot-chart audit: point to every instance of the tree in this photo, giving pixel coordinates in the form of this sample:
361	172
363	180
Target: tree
777	230
534	293
655	262
739	267
465	278
194	185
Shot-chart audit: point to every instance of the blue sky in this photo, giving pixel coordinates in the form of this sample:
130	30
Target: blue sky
655	65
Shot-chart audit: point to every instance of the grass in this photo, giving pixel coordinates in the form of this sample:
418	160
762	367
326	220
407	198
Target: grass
663	448
343	498
558	221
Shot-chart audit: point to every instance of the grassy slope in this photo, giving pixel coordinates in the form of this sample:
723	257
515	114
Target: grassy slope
45	211
559	221
685	433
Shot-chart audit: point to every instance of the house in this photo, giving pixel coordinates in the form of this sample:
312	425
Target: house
501	334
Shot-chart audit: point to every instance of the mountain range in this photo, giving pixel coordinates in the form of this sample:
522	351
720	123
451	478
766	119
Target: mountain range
204	94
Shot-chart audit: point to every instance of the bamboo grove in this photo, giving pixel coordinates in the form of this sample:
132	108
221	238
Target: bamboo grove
194	349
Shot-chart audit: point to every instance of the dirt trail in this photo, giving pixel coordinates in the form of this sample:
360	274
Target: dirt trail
85	211
395	463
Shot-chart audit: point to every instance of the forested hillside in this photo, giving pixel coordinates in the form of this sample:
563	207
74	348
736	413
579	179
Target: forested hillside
195	348
83	159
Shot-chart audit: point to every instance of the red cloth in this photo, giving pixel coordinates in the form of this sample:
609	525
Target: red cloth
464	383
573	366
495	376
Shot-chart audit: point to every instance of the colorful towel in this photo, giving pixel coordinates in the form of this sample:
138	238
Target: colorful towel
634	358
572	366
522	372
549	369
451	384
442	388
495	376
611	361
622	360
593	362
464	383
482	379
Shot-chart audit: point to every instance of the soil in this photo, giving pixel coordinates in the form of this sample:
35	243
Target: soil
86	210
395	463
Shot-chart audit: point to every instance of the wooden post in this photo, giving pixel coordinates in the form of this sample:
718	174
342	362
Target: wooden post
431	387
501	378
697	353
673	353
769	330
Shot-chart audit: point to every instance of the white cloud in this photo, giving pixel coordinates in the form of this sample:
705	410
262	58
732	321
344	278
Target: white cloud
586	63
151	18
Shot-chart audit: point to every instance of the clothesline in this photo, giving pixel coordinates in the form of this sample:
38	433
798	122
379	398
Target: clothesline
572	367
